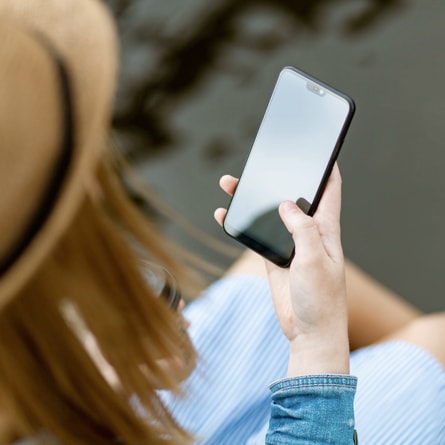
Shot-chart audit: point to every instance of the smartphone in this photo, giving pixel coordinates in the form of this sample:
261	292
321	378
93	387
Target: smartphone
292	156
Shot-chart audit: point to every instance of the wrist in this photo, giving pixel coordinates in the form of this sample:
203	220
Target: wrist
315	354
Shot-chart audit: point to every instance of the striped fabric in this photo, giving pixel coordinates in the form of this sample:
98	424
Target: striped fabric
241	351
401	391
401	395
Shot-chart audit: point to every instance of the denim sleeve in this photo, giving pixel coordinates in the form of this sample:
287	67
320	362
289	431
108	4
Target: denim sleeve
313	410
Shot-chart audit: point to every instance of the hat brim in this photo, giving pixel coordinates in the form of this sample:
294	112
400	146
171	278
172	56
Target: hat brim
75	159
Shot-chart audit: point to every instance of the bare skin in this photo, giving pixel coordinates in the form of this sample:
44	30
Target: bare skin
310	296
376	313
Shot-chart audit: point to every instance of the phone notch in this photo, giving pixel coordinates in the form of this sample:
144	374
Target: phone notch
316	89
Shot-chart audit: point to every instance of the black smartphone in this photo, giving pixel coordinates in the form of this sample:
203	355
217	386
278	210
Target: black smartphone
292	156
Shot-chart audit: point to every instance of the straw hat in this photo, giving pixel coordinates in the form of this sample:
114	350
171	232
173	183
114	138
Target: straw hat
57	79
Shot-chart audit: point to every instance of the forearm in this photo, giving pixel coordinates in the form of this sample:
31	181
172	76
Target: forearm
311	410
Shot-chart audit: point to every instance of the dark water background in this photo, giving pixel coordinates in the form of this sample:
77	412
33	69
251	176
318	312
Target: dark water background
197	76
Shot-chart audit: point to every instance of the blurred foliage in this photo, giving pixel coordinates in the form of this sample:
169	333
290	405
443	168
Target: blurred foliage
169	47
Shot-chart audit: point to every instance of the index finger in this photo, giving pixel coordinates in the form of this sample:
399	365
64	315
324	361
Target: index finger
327	215
330	204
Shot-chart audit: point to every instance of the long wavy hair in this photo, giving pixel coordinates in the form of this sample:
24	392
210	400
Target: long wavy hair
85	344
81	345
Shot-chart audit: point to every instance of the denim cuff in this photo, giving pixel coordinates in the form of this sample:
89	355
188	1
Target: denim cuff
313	409
336	380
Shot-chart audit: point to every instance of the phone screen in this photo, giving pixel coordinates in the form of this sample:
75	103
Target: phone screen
291	158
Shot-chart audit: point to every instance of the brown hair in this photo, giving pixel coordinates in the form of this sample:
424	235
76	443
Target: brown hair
83	338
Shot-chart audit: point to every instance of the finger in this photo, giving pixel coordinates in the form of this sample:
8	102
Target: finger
219	215
304	231
228	183
330	203
327	215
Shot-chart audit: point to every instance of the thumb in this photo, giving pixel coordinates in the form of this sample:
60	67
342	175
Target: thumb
304	230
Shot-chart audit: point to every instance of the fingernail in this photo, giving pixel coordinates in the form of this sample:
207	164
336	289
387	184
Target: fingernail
287	206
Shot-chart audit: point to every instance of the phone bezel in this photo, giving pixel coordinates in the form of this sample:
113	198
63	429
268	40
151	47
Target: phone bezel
262	248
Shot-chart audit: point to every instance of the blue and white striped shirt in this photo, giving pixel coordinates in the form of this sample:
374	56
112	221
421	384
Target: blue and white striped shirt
400	397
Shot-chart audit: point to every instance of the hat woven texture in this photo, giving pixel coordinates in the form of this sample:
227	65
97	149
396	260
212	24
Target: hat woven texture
57	79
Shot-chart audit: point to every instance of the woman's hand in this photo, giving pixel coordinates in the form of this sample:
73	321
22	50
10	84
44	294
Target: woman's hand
310	296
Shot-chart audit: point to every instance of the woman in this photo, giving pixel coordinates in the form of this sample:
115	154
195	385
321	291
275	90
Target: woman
86	345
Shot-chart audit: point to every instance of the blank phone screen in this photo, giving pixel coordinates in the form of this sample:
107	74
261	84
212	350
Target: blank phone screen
293	151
